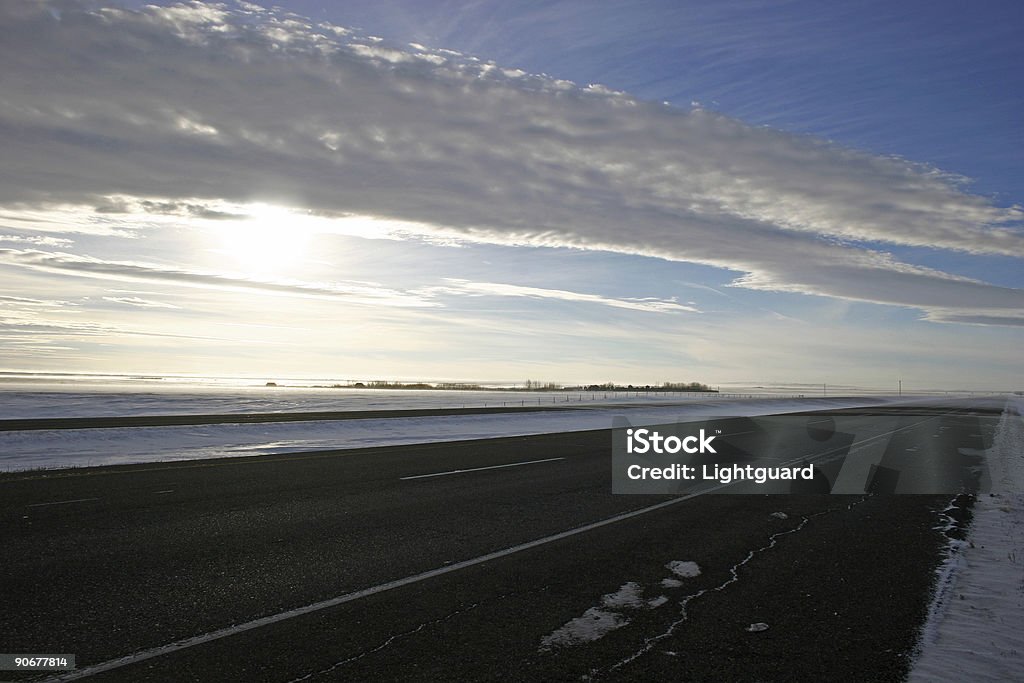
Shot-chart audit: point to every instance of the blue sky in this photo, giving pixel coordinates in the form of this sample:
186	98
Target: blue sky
565	191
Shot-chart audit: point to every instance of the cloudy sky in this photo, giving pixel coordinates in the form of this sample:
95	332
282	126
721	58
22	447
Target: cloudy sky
562	190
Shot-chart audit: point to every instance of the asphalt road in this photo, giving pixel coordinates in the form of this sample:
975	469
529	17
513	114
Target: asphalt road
459	561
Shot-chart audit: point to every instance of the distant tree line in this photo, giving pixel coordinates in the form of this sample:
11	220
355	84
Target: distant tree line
664	387
383	384
534	385
530	385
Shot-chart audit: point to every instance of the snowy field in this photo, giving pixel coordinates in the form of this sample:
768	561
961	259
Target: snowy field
18	401
21	450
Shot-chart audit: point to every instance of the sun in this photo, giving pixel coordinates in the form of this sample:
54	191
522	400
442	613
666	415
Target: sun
269	241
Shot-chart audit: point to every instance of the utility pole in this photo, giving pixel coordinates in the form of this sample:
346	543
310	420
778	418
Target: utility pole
901	387
824	390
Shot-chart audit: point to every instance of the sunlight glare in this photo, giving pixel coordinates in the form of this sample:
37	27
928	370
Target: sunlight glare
270	241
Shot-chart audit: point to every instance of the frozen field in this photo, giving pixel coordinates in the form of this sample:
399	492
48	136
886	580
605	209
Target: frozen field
108	401
21	450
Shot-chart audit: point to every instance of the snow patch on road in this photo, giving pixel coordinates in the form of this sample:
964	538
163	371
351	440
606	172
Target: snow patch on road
595	623
684	569
627	596
598	621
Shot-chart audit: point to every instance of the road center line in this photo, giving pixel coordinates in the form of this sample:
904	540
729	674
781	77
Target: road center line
477	469
61	502
841	451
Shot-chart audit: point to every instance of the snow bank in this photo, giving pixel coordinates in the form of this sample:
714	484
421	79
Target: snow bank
976	628
20	450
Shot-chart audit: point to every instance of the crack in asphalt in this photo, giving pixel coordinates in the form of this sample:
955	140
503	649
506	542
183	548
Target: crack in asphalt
411	632
649	643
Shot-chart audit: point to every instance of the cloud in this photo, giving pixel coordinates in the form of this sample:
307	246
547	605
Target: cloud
84	266
365	293
37	240
21	301
199	104
650	305
138	302
975	318
31	328
66	219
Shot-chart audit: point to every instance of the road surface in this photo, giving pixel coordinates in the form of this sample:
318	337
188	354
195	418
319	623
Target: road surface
476	560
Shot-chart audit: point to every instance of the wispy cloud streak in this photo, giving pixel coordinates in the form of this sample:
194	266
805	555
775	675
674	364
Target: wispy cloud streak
649	305
84	266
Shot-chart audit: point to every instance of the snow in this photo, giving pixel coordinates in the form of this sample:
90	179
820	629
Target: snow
671	583
1006	469
103	401
975	629
627	596
598	621
757	628
595	623
38	400
20	450
684	569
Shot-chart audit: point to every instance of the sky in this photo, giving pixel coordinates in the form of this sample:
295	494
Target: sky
731	192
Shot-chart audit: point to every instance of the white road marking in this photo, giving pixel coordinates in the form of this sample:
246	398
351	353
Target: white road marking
477	469
61	502
158	493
